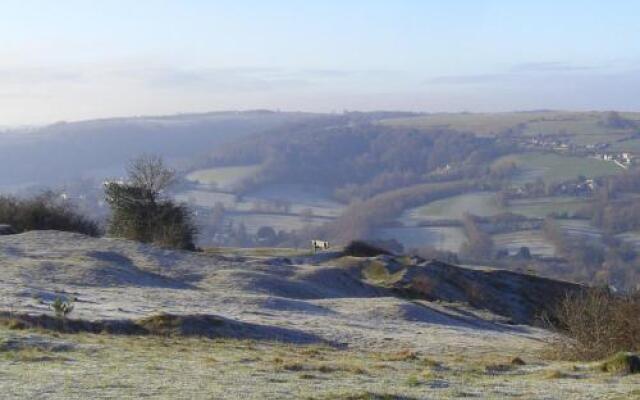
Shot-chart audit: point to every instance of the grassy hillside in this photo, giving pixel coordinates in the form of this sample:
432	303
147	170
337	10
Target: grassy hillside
295	326
577	124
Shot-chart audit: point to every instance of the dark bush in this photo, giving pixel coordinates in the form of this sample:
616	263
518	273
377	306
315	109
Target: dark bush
140	213
43	212
359	248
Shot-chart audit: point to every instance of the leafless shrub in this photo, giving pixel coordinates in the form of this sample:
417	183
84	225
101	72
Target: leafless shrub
596	324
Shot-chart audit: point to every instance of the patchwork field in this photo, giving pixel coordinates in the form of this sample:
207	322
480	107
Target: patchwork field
412	235
282	207
533	239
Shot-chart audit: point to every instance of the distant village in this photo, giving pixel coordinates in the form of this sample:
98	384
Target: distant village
623	159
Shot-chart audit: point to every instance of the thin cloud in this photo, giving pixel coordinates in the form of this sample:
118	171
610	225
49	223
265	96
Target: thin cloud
471	79
518	73
31	75
551	66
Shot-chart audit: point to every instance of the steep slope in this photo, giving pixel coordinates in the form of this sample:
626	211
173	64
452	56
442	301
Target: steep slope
522	298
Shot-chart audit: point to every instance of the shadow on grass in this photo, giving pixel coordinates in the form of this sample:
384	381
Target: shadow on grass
200	325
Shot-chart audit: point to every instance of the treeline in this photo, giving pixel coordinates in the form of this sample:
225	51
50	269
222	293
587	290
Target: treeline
616	208
479	245
360	160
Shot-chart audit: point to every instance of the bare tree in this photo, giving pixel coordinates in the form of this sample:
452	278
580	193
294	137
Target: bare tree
148	172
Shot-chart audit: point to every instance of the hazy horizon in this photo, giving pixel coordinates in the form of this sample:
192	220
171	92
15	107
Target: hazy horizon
77	60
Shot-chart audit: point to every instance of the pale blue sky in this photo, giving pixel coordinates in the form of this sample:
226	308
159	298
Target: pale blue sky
85	59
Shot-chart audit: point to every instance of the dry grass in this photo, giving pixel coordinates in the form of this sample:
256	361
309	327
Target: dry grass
402	355
622	363
557	374
116	366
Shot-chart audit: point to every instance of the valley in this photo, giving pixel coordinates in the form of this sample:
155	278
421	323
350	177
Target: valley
273	179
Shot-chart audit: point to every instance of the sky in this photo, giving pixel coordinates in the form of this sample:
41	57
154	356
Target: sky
73	60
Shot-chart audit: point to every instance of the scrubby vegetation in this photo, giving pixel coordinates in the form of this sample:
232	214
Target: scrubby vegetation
62	307
42	212
623	362
139	211
597	324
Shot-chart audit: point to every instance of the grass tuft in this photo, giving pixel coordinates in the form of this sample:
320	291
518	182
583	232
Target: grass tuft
622	363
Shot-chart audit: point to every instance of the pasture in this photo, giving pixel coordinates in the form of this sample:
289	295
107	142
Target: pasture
481	124
554	168
579	127
541	207
533	239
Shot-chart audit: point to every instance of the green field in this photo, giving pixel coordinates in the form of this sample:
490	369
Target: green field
477	203
583	124
632	145
541	207
554	168
222	177
481	124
